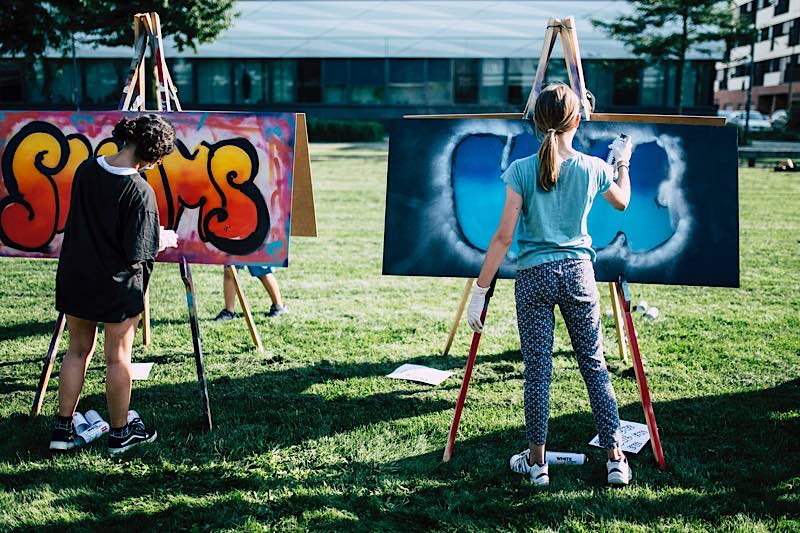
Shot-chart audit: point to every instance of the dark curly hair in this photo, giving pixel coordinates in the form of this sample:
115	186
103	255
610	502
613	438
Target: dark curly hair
153	136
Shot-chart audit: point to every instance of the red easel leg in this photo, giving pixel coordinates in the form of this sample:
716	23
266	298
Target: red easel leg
462	395
641	379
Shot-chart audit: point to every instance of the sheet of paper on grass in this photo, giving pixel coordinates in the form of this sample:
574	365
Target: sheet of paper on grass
141	371
421	373
634	436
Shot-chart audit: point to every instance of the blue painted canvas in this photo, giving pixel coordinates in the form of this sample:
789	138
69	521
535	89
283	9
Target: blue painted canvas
444	199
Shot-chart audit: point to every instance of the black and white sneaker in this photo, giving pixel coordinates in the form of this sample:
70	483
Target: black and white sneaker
276	310
64	437
132	434
224	316
619	472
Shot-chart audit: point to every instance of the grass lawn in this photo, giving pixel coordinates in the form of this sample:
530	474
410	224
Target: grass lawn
310	435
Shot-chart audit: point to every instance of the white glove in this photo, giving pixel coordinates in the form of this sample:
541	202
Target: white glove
476	308
166	239
621	150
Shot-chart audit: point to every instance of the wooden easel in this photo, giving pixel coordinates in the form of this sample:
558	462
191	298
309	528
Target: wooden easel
147	30
620	295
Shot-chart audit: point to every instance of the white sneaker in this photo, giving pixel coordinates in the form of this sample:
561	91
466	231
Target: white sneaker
619	472
538	475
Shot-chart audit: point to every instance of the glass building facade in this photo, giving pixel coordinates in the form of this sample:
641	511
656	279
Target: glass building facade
378	88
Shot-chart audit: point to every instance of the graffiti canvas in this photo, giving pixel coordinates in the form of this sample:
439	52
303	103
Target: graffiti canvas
226	189
444	199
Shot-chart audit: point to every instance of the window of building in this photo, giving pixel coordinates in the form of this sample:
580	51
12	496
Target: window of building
466	81
214	82
777	30
653	85
493	83
284	75
600	80
440	81
626	83
764	34
520	79
64	87
249	82
182	72
794	33
781	7
334	81
367	81
309	80
11	81
103	82
406	81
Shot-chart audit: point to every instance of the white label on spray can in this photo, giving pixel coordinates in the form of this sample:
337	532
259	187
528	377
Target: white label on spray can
94	432
564	458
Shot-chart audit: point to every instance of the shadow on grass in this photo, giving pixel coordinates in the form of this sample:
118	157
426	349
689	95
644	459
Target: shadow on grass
34	328
727	454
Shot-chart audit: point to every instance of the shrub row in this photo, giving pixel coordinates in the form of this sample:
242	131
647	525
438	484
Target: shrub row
344	130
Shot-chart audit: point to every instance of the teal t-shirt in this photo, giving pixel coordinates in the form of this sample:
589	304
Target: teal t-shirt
553	224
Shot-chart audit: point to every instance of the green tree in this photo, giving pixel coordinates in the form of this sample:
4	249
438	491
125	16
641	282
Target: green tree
28	28
663	30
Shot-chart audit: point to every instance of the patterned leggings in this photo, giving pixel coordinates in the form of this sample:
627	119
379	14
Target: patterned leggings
570	284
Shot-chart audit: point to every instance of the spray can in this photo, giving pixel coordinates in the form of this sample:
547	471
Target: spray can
132	415
97	427
565	458
610	159
79	422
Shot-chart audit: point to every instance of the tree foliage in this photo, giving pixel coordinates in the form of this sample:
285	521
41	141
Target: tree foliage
30	27
663	30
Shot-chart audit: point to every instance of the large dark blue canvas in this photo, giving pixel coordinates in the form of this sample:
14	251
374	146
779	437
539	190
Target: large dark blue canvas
444	199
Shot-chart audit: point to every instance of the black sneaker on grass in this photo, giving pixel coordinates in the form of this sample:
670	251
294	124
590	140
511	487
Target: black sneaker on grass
132	434
276	310
225	315
64	437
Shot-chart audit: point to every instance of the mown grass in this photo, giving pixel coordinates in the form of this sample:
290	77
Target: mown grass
311	436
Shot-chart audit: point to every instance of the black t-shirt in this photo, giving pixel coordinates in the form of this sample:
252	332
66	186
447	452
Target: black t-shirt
110	242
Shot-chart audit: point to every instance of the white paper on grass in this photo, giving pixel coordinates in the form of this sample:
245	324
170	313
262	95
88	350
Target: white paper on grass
634	436
420	373
141	371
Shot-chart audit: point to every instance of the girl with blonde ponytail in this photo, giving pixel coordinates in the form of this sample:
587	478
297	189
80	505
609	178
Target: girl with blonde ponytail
554	190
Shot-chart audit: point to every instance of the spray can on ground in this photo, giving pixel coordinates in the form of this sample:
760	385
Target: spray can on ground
132	415
565	458
97	427
79	422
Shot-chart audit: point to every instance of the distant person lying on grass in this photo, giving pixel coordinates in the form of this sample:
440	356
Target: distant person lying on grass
111	239
554	190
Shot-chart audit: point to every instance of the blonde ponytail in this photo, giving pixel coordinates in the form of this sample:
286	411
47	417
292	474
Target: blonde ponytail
554	112
548	169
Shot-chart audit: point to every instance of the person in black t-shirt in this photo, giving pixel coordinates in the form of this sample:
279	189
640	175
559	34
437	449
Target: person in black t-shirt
111	239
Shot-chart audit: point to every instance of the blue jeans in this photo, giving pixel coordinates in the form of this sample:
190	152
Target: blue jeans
570	284
256	270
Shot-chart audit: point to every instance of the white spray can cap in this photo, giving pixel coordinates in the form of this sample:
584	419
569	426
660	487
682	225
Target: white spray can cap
79	422
92	417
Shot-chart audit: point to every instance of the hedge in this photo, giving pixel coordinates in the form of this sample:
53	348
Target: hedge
344	130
